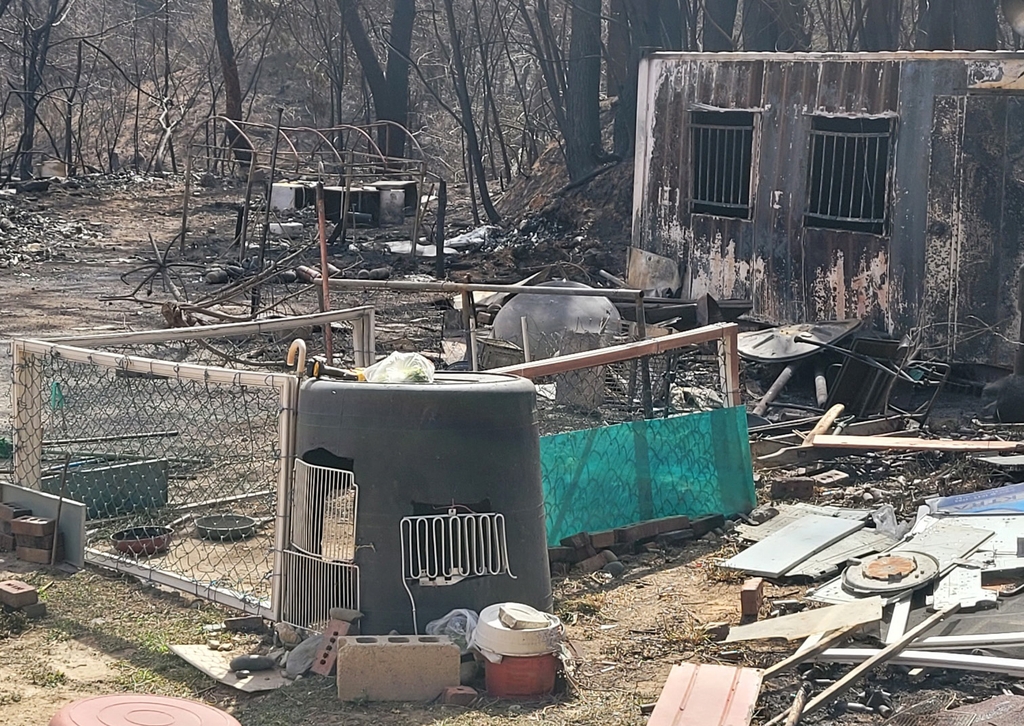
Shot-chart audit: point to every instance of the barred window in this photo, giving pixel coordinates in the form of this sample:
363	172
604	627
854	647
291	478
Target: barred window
848	174
721	151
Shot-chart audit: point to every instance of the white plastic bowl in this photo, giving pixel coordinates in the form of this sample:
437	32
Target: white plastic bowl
494	636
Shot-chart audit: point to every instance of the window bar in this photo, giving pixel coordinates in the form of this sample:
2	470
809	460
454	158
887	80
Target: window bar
882	163
868	181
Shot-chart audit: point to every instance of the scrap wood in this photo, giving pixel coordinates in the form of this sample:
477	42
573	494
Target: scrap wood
819	451
818	643
880	656
809	622
896	443
797	709
824	424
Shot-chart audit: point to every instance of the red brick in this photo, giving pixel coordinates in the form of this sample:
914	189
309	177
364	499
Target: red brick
793	488
459	695
33	526
603	539
10	510
17	594
637	532
327	654
595	563
672	524
562	554
703	525
752	598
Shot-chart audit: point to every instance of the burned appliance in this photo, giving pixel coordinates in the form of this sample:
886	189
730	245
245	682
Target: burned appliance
411	500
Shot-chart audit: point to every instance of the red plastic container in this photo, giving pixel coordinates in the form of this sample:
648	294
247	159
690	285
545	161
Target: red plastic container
522	676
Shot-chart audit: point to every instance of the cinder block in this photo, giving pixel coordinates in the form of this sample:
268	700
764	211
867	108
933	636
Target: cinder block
33	526
5	527
751	598
10	510
396	667
35	543
6	543
17	594
703	525
602	540
459	695
39	556
800	487
831	478
245	624
327	654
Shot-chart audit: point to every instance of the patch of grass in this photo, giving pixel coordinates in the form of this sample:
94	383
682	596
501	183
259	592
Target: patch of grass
574	607
45	677
12	623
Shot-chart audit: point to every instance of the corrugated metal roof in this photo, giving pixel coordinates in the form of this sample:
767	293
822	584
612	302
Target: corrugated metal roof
697	694
904	55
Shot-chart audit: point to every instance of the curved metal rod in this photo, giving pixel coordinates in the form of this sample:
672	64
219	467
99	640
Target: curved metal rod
298	347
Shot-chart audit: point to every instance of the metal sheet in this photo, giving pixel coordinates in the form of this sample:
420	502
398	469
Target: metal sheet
946	541
779	345
791	545
789	513
962	585
829	560
928	659
810	622
709	695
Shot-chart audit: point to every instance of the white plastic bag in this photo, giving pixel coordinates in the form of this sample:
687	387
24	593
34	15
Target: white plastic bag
457	625
401	368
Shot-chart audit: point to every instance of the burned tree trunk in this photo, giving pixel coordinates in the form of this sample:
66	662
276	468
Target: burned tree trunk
232	86
583	135
719	20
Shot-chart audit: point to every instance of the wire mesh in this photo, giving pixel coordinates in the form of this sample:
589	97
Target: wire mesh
194	450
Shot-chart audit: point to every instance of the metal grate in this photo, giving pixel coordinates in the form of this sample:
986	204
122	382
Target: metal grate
312	587
445	549
323	517
848	175
721	152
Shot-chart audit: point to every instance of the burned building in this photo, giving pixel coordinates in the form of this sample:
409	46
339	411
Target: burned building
882	186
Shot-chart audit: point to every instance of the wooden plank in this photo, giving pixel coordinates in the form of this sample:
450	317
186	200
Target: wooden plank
791	545
216	665
902	443
809	622
824	424
709	695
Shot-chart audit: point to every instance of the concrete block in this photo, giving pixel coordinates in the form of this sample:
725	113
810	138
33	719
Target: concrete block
36	543
459	696
10	510
5	527
831	478
6	543
33	526
396	667
639	532
17	594
39	556
751	598
672	524
581	543
678	537
327	653
245	624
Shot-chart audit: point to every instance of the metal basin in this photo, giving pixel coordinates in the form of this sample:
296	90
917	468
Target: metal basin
142	540
226	527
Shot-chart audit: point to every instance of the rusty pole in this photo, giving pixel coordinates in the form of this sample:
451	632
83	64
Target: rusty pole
325	272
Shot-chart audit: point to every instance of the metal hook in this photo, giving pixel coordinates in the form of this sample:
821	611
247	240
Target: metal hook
298	346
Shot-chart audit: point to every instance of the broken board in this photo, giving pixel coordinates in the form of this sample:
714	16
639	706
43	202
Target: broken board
791	545
811	622
829	560
215	664
710	695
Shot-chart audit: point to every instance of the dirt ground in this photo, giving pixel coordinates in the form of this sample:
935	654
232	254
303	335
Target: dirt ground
106	633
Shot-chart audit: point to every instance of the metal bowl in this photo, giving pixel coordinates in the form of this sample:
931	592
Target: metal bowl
142	540
226	527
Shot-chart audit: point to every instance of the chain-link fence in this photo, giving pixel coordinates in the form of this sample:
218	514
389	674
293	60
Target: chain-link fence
180	465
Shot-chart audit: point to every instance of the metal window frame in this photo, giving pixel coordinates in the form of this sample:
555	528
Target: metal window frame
830	215
714	189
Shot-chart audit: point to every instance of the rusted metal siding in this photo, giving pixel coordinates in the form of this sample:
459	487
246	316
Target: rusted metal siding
701	694
947	263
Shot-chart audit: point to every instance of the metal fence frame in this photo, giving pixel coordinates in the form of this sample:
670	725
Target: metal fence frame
27	413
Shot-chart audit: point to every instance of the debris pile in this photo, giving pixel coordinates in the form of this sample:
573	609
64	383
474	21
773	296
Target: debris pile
27	236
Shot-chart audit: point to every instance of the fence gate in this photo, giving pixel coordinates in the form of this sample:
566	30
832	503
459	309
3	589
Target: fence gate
154	443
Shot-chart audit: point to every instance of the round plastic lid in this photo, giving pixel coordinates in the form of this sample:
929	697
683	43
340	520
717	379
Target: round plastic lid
140	710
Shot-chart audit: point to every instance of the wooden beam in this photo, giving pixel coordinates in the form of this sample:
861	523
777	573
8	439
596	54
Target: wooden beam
884	443
617	353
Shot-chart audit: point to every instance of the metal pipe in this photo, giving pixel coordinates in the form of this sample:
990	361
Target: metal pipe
459	287
325	273
526	339
775	389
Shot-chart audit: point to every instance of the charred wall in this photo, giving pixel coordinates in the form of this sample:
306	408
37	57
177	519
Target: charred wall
945	259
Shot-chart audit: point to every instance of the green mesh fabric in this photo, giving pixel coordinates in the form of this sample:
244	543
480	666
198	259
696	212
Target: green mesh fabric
613	476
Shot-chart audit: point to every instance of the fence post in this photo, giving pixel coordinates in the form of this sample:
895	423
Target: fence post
27	408
286	433
729	366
